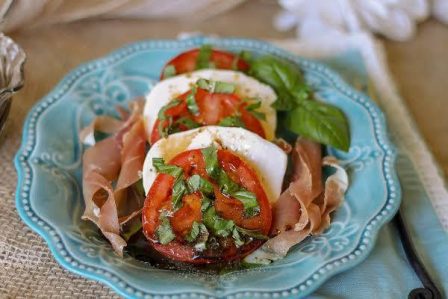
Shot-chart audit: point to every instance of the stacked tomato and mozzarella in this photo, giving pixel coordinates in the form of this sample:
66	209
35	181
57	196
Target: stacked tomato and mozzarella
211	173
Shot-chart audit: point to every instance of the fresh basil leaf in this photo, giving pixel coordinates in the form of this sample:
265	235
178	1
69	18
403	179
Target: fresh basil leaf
231	121
211	161
192	106
252	233
197	183
201	240
217	225
179	190
206	203
183	123
216	86
161	167
237	238
248	198
251	108
169	71
226	185
161	115
193	233
204	56
320	122
164	232
131	228
286	80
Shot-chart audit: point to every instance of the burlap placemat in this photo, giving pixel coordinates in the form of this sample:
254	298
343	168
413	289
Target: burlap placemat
27	268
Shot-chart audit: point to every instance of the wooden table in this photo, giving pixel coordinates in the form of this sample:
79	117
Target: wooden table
420	66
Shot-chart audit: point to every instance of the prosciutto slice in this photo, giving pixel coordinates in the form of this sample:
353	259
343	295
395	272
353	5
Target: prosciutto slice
304	208
117	159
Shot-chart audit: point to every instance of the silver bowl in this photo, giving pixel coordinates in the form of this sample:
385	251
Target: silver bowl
12	59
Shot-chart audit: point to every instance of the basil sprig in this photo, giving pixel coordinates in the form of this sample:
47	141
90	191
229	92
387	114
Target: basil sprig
197	183
169	71
173	170
313	119
164	232
192	106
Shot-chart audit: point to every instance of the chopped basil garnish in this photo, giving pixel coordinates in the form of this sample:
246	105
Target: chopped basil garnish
249	200
186	122
205	204
165	130
169	71
191	102
237	238
211	161
197	183
252	233
160	166
161	115
203	59
216	86
226	184
232	121
251	108
164	232
217	225
179	190
194	232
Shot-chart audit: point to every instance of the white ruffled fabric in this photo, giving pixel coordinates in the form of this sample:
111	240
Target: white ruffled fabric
395	19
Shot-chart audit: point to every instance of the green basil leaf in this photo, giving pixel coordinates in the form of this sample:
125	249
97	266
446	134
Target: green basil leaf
217	225
131	228
226	185
179	190
320	122
161	115
164	232
231	121
216	86
191	102
186	122
161	167
204	56
205	203
194	232
201	241
249	200
169	71
252	233
237	238
197	183
251	108
286	80
211	161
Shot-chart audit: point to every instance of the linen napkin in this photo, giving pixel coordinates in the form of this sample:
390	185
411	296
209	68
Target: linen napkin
359	58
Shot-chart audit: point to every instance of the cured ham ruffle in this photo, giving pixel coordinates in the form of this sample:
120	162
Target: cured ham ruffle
111	167
304	208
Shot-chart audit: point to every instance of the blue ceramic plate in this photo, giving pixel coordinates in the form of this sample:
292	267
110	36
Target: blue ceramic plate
49	196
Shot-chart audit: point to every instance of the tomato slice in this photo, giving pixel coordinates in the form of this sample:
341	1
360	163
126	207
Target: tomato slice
213	107
186	61
159	197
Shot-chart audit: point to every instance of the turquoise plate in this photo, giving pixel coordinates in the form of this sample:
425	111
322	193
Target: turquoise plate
49	197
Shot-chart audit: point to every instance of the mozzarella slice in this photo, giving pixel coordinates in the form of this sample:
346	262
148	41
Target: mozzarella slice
168	89
267	159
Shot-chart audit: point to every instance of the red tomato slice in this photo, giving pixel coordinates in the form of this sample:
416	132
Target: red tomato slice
186	61
213	107
159	197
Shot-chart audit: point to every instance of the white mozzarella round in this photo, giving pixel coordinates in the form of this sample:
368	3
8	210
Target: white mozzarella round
266	158
168	89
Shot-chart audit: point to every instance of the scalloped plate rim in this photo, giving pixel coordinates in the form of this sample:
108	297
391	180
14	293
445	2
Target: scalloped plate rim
131	48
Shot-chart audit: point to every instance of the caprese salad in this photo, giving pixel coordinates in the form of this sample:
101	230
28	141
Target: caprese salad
199	170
